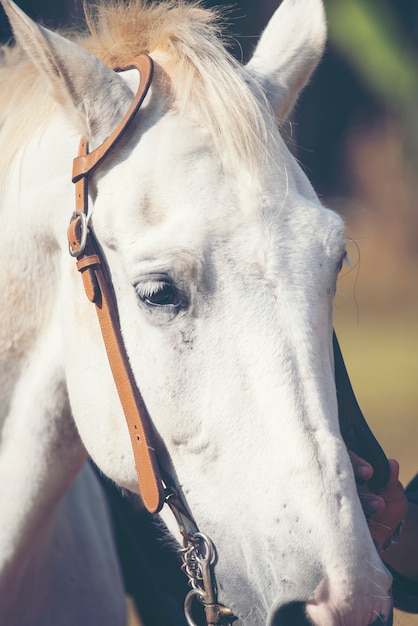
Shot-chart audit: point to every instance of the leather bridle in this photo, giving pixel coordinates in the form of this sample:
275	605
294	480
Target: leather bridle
84	246
199	552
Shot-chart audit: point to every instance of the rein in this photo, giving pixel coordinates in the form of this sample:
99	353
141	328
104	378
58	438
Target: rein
198	552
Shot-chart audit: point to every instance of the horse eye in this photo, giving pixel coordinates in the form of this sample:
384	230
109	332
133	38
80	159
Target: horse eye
344	259
159	294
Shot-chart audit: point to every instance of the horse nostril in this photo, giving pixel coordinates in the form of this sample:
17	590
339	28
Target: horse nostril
380	622
291	615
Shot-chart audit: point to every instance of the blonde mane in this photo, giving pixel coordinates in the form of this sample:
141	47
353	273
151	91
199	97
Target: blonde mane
204	77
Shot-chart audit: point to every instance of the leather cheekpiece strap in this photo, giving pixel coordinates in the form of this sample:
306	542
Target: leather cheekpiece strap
92	266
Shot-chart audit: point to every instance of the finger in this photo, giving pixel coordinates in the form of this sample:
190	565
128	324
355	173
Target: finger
373	505
362	469
394	472
393	491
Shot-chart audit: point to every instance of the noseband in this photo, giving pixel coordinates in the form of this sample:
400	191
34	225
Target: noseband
156	490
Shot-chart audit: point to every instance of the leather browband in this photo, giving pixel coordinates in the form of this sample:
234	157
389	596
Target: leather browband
91	264
84	164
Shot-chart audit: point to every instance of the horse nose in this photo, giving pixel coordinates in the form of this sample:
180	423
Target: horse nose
294	614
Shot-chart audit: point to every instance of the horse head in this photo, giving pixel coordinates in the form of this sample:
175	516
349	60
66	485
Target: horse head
224	264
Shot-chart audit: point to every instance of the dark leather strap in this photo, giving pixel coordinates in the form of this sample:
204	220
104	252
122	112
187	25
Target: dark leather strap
354	428
91	264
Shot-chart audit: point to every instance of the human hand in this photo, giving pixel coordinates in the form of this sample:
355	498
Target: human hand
384	509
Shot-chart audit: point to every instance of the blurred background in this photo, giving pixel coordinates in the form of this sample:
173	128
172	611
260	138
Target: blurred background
355	132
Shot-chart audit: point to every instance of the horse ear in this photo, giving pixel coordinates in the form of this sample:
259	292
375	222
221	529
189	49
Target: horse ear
288	52
78	80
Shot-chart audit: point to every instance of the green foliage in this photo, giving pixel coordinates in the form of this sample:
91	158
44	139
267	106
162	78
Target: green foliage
370	37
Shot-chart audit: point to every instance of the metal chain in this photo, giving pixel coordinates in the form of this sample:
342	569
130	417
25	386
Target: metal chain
197	552
199	555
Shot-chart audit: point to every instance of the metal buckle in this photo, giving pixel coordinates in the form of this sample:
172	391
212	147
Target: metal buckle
76	252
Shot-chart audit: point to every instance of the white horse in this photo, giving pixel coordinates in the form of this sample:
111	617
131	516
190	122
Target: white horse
224	266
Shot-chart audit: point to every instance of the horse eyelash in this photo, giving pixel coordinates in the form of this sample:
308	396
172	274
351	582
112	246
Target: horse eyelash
150	288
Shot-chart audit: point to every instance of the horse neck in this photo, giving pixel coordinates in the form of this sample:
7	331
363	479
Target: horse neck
71	553
33	222
37	432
